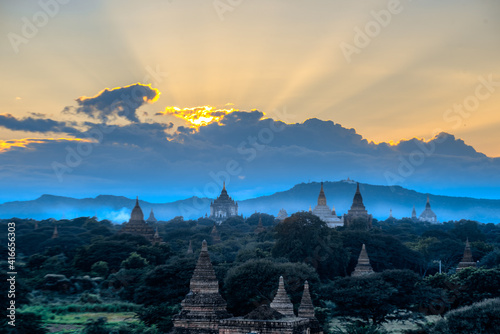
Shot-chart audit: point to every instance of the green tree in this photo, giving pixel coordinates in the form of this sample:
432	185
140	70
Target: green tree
303	237
480	317
134	261
100	268
255	282
379	297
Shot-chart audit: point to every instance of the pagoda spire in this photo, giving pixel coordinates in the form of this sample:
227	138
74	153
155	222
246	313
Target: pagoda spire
137	201
306	309
55	235
281	301
321	196
223	185
363	266
260	228
467	259
190	247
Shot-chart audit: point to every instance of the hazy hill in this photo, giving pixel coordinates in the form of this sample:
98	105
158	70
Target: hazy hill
378	201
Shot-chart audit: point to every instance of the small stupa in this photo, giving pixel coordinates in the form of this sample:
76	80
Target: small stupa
363	266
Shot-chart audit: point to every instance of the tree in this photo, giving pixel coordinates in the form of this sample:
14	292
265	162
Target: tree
134	261
303	237
379	297
100	268
255	282
480	317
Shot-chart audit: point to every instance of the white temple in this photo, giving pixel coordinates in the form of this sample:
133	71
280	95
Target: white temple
322	210
428	215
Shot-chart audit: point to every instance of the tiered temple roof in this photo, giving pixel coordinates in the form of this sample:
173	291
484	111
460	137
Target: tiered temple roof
358	211
363	266
322	210
467	260
428	215
306	308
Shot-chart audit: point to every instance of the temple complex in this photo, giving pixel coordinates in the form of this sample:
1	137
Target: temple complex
322	210
204	310
357	213
152	219
428	215
137	225
223	207
467	260
363	266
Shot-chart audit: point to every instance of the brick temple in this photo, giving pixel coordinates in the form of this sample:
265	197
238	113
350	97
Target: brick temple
204	310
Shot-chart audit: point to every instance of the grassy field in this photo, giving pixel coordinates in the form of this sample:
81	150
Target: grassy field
70	318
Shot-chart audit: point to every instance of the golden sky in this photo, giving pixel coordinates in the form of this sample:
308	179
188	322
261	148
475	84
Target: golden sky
270	55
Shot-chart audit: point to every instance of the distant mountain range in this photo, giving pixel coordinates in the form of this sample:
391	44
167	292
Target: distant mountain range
379	200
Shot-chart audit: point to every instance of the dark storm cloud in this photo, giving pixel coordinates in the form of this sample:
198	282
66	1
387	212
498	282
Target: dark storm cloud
116	102
31	124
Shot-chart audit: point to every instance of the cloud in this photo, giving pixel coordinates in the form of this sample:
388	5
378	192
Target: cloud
31	124
117	102
154	160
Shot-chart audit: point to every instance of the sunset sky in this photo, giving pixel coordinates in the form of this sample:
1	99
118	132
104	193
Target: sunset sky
419	68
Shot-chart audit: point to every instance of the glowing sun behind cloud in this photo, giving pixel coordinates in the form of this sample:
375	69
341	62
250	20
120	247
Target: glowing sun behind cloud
198	116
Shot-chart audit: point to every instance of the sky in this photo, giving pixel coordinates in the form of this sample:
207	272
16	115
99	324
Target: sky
155	98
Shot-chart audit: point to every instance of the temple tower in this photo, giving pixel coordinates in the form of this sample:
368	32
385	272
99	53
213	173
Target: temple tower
281	301
414	214
190	247
363	266
203	306
358	212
